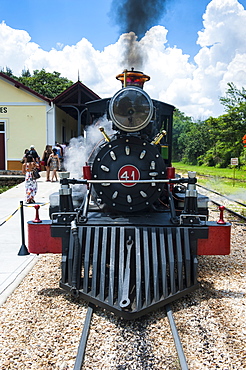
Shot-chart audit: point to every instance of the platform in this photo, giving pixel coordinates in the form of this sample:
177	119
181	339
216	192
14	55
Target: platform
13	268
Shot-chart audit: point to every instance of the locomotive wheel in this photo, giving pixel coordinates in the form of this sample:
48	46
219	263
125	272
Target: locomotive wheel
128	158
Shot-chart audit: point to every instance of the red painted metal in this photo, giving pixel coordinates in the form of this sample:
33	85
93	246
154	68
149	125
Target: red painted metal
40	240
37	219
221	220
171	172
218	242
87	172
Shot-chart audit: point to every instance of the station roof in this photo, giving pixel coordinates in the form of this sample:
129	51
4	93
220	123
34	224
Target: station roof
75	96
19	85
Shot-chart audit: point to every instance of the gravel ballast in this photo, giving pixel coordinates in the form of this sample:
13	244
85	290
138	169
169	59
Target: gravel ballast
41	324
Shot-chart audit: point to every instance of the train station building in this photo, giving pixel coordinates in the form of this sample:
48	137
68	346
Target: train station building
29	118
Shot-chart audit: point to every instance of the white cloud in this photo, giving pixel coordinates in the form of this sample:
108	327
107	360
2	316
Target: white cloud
194	88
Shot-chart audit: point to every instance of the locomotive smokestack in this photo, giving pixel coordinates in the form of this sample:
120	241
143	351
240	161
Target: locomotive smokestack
134	18
132	78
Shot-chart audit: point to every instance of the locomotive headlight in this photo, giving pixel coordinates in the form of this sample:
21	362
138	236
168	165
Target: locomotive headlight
131	109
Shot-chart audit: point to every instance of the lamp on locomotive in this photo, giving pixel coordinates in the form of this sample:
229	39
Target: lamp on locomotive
131	108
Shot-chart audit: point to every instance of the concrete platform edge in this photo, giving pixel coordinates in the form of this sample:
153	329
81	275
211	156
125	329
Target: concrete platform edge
18	279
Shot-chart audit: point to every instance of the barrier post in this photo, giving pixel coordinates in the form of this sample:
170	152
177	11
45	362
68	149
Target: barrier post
23	249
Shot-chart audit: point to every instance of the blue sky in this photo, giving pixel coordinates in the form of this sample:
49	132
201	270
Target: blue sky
49	22
191	53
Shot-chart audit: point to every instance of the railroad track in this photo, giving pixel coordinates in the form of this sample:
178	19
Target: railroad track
231	205
179	348
210	322
176	338
86	329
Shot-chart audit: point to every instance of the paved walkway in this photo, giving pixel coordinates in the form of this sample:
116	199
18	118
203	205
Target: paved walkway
13	267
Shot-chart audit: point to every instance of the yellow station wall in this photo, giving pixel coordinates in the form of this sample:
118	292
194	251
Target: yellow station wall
26	123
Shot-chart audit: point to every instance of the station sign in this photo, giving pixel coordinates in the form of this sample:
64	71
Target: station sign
234	161
3	109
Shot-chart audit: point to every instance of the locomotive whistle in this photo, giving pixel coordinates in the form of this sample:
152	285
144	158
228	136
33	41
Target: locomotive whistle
158	137
106	137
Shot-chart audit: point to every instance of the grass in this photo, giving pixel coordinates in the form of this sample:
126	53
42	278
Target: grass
4	188
221	179
212	171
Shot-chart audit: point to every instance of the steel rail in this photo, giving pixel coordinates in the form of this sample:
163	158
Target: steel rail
83	340
229	210
221	195
224	196
176	338
86	329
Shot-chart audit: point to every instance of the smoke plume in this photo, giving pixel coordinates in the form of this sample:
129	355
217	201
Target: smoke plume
82	150
134	18
132	54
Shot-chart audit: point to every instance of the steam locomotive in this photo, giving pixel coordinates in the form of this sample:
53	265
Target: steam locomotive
130	242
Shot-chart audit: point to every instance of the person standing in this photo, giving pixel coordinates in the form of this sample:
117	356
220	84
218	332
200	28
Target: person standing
30	181
26	152
46	154
34	153
54	163
59	149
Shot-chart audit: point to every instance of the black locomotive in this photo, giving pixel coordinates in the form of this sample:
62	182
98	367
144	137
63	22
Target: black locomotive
131	245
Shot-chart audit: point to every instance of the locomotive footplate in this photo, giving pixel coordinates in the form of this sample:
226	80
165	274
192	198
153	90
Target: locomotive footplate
130	268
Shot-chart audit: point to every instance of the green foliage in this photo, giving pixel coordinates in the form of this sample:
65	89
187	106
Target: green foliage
8	72
26	73
45	83
240	174
215	141
190	139
4	188
234	96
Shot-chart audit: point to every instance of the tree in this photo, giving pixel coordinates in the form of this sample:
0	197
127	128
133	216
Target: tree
190	138
8	72
181	124
197	142
26	73
227	130
234	97
45	83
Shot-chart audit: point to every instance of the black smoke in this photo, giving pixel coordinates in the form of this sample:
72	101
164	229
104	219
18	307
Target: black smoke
134	18
132	53
137	15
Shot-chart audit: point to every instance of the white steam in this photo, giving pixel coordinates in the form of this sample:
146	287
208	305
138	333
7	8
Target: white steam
82	150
